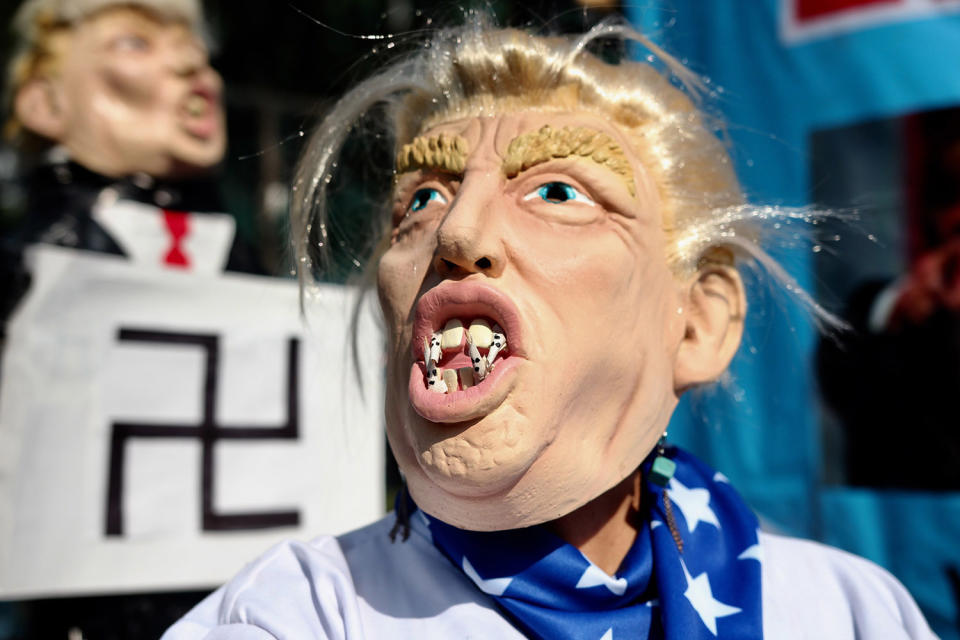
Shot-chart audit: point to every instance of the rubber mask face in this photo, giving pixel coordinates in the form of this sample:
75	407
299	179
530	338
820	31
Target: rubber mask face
138	95
561	380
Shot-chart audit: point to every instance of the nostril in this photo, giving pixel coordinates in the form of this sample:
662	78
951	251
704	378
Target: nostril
483	263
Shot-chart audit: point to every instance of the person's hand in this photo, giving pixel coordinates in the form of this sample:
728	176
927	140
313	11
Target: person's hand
933	283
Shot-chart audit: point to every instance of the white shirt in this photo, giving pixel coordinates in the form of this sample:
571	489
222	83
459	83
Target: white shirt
140	230
361	585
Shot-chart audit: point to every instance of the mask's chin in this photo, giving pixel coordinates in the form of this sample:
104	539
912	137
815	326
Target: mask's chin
498	473
523	500
482	458
485	476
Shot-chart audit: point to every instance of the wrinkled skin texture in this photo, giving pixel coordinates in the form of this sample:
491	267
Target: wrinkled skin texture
131	93
602	321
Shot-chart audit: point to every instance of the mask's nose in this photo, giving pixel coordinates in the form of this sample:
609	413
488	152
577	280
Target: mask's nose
469	240
188	55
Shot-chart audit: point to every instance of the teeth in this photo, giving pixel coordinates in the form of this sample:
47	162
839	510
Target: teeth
499	344
466	377
197	105
434	382
481	333
452	334
479	336
478	362
437	384
450	380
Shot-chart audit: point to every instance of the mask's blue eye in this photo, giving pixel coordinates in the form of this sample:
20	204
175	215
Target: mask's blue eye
130	42
557	193
423	197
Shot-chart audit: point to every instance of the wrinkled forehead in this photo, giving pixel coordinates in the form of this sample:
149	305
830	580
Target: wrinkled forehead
522	139
132	17
95	31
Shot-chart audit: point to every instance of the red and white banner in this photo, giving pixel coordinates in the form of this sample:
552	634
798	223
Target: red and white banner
808	19
158	429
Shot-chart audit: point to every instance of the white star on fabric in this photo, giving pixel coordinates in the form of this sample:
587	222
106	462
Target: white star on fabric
701	598
654	524
493	586
594	577
719	477
653	602
754	552
608	635
694	504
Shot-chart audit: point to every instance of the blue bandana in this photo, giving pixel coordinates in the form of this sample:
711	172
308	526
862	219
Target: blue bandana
550	590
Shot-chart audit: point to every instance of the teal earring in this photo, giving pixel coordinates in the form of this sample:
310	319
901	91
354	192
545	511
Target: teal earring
663	467
661	471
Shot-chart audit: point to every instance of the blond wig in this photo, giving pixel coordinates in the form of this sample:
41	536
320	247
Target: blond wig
479	70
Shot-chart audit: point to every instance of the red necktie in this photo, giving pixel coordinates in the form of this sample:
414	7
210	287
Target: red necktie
178	225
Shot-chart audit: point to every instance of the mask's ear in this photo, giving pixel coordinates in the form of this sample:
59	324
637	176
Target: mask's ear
40	108
716	307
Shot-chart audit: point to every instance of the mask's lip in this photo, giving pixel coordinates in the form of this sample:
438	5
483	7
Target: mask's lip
205	125
466	404
467	301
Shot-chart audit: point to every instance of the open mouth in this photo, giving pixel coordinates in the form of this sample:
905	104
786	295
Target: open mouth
460	357
467	337
199	111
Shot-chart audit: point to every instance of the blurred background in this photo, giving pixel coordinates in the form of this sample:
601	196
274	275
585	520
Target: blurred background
282	63
851	438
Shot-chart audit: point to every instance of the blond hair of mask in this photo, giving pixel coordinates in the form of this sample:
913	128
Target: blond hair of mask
479	70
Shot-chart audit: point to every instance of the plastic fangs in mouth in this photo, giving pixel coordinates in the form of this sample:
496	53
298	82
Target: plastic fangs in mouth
480	338
197	105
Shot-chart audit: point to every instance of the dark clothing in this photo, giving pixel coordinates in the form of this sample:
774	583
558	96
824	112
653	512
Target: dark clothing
61	196
896	395
59	211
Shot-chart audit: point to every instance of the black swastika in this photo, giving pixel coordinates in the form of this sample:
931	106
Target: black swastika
207	432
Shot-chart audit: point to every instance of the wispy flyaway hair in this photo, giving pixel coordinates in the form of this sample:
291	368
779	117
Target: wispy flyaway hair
477	70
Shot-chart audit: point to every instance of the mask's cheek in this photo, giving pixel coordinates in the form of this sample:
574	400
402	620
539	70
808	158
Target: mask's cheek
131	87
398	280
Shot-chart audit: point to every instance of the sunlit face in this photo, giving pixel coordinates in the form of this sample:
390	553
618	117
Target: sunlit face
138	95
571	265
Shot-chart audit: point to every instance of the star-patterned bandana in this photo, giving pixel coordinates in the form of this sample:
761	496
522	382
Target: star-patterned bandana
550	590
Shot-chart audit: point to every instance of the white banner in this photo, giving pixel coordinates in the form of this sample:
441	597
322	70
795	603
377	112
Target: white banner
159	429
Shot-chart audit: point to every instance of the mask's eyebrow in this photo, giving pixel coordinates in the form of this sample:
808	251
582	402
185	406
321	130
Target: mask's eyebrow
446	153
547	143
